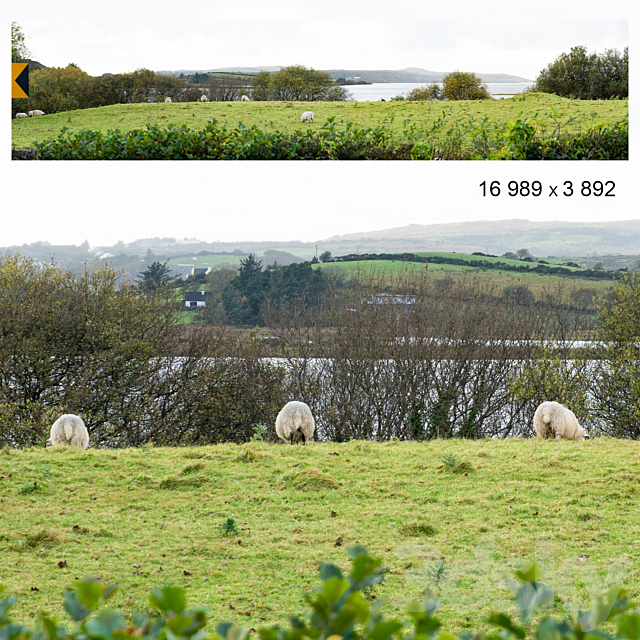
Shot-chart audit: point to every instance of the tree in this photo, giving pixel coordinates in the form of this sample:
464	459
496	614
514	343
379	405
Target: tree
260	86
298	83
73	340
326	256
617	373
523	253
428	92
155	277
19	49
461	85
59	89
243	297
586	76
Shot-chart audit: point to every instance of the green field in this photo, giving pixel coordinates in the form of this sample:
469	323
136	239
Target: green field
544	110
149	517
538	283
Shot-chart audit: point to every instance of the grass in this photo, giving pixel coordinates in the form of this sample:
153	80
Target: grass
538	283
544	109
244	528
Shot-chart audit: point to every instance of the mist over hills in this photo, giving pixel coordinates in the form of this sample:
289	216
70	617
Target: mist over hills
497	237
410	74
582	241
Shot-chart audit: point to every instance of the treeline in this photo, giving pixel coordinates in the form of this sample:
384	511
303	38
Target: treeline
410	357
57	89
546	269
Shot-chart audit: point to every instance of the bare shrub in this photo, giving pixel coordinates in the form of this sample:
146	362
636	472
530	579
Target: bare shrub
410	356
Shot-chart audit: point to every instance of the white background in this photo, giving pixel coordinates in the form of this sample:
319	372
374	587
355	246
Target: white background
66	202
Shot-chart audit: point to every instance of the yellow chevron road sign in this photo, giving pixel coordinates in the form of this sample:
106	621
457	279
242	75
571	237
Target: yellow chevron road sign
19	79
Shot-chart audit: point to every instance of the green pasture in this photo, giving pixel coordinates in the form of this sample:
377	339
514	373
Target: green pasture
472	258
481	509
538	283
545	111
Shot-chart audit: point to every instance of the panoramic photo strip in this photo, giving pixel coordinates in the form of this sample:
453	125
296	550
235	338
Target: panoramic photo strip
241	90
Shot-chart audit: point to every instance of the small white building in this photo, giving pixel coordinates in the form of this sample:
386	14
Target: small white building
195	299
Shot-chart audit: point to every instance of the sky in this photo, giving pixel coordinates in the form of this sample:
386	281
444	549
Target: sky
106	202
436	45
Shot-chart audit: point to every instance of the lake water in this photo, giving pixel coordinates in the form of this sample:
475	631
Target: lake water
387	90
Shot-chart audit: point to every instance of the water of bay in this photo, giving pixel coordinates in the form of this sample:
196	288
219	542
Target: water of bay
387	90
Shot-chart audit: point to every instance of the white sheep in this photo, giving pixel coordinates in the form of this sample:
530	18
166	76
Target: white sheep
69	429
21	115
245	99
295	421
551	419
36	112
167	99
307	116
204	99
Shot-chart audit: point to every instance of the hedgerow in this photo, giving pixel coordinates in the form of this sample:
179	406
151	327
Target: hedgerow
594	274
465	139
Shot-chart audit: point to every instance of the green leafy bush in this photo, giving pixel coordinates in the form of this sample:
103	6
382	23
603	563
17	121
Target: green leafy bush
463	139
586	76
338	610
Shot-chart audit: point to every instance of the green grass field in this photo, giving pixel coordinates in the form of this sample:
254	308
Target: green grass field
545	110
538	283
453	517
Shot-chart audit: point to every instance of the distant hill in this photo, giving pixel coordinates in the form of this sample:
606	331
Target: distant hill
497	237
414	74
410	74
611	245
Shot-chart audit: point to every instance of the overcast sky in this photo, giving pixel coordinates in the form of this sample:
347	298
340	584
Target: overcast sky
516	48
111	201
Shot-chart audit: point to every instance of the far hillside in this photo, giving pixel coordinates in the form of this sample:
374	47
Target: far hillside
536	274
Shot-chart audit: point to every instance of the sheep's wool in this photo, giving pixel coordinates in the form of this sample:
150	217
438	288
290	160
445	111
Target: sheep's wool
295	422
70	429
553	420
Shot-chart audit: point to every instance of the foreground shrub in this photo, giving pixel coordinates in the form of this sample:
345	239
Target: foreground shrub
338	610
461	139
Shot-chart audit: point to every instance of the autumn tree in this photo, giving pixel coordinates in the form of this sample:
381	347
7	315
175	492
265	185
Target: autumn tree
461	85
298	83
19	50
431	91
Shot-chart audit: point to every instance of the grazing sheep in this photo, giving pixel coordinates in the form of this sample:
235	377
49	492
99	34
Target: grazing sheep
36	112
204	99
245	99
21	115
69	429
307	116
167	99
551	419
295	421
